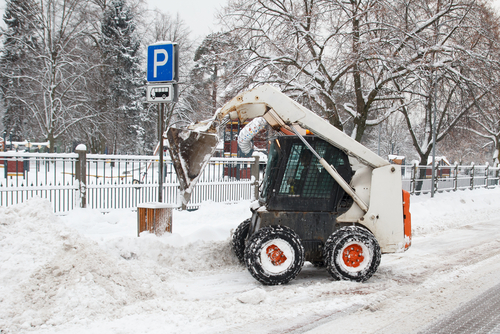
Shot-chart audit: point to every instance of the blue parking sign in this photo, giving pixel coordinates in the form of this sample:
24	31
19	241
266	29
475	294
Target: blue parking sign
162	62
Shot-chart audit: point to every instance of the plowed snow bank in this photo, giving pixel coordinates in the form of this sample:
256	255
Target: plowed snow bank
88	272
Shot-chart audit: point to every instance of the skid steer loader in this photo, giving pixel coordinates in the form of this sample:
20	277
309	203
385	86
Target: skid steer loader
325	198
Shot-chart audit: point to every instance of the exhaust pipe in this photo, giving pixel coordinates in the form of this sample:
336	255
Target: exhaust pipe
248	132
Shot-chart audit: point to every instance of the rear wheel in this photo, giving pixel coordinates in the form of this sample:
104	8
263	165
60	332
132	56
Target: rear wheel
352	253
238	242
274	255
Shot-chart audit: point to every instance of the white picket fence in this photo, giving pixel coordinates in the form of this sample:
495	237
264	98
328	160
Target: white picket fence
114	181
418	179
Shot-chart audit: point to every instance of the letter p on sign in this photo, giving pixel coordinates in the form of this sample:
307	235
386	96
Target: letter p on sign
162	62
157	62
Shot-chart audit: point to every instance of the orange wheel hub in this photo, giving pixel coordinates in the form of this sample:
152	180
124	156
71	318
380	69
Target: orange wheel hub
276	255
353	255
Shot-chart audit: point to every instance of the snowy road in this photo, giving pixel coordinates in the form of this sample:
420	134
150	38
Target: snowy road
89	273
479	315
461	264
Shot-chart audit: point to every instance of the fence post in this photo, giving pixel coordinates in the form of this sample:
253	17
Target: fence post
436	177
455	188
486	174
255	174
413	178
472	177
497	175
81	174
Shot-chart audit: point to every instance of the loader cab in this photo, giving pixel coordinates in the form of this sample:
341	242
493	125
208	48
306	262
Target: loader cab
295	180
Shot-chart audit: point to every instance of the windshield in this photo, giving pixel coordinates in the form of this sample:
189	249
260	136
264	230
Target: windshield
271	169
305	176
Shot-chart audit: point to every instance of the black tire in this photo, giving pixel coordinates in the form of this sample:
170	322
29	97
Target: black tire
274	255
239	237
352	253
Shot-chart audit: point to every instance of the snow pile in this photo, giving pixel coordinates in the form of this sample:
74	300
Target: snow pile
255	296
88	272
453	209
51	275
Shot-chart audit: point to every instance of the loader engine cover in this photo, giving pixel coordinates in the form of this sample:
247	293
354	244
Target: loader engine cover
296	181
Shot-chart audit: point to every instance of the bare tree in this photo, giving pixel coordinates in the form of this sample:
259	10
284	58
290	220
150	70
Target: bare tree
52	91
390	138
452	74
484	120
338	57
485	123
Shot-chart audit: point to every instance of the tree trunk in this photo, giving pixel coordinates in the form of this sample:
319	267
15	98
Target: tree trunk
421	173
360	118
51	140
332	114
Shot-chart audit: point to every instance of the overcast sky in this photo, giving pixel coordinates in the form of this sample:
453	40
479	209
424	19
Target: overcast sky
197	14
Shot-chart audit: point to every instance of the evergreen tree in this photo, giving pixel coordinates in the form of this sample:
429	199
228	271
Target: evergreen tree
125	92
216	61
20	44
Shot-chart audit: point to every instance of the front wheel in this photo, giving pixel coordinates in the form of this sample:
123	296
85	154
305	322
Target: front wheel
352	253
274	255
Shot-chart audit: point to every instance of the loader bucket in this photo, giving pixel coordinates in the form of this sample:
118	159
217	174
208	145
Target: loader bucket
190	151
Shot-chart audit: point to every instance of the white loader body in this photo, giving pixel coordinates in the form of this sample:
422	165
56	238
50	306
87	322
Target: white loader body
377	185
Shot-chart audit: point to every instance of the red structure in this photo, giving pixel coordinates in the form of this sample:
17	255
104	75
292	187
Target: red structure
231	149
231	133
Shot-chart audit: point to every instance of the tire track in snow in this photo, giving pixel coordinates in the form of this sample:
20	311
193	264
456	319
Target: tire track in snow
461	268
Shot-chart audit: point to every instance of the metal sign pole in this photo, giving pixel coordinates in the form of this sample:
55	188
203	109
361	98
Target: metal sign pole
161	106
162	76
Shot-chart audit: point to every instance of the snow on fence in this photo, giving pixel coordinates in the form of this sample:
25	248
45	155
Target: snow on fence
116	181
124	181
